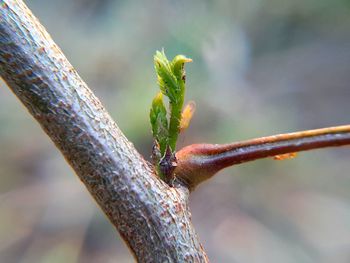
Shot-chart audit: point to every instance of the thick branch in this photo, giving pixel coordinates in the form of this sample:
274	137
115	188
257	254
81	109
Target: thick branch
199	162
153	218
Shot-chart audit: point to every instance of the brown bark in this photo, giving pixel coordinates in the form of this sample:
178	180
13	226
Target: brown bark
152	217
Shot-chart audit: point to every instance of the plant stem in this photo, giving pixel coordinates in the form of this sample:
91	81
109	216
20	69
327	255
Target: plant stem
199	162
174	124
152	218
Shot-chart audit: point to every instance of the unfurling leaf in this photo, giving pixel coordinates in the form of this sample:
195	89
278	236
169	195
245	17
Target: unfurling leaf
178	66
159	122
171	79
166	78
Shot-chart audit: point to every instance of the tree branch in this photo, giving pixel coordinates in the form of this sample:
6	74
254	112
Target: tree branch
153	218
199	162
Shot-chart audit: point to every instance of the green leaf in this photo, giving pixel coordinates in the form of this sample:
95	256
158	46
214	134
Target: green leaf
171	80
159	122
178	66
166	78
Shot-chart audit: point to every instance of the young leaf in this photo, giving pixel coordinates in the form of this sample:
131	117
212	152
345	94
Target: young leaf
171	79
178	66
159	122
166	79
178	70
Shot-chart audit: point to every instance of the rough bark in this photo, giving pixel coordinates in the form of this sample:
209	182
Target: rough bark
152	217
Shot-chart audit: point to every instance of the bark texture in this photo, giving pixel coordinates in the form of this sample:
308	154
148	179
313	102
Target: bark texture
152	217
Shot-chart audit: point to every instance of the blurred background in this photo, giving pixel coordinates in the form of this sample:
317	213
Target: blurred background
260	67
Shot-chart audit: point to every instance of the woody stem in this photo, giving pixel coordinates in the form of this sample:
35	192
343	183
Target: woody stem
207	159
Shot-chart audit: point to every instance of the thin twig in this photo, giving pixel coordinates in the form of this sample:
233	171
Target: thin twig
199	162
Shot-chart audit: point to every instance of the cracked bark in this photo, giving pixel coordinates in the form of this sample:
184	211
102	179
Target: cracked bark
153	218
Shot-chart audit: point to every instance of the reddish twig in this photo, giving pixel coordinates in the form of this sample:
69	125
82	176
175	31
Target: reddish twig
199	162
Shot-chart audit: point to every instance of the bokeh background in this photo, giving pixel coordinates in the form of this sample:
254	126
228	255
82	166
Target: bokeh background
260	67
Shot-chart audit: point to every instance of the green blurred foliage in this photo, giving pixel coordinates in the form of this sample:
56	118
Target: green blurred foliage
260	67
